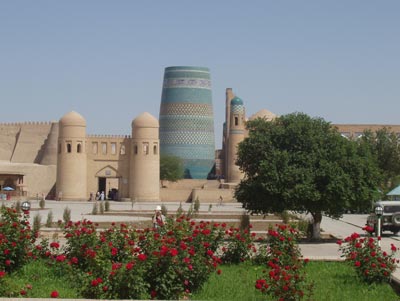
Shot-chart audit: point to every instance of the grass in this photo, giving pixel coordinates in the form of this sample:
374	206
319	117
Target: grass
332	281
43	279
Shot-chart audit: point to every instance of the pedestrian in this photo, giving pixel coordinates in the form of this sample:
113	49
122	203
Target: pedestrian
158	218
102	196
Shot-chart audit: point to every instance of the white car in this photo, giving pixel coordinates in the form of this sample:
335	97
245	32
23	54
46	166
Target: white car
390	219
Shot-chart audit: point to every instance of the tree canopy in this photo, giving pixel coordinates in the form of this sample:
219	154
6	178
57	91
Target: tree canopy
385	146
300	163
171	168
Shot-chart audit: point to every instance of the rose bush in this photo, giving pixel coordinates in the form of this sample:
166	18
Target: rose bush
16	239
286	278
125	263
366	256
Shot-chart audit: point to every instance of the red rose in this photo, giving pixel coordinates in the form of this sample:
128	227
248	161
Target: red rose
54	294
142	257
173	252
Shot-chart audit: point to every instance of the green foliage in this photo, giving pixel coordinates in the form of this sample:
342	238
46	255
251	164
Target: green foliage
164	210
107	206
95	209
171	168
179	211
49	220
244	223
371	263
18	206
385	147
239	246
286	278
101	207
37	220
196	206
16	240
67	215
209	208
301	163
42	203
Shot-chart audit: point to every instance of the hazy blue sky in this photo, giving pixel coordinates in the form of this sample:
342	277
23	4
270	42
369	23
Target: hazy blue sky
339	60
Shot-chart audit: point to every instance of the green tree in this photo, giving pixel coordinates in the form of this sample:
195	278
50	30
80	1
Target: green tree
171	168
385	146
303	164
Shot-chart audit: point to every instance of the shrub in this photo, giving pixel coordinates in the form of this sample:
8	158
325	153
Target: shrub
95	209
101	207
196	206
16	240
49	221
42	203
239	246
66	215
365	255
164	210
244	224
286	279
37	220
18	206
107	206
179	211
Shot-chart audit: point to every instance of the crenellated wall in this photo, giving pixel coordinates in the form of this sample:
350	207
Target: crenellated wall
22	142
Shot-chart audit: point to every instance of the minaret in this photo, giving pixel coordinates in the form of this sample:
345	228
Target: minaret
144	177
71	158
235	136
225	140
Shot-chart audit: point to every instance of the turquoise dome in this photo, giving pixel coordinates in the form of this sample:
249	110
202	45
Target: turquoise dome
236	101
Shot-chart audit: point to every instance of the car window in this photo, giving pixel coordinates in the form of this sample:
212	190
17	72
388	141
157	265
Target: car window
391	209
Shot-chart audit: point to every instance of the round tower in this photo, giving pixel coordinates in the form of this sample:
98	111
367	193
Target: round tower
187	119
71	158
144	177
235	136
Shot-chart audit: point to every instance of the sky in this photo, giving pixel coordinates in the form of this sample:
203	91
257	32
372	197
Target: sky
339	60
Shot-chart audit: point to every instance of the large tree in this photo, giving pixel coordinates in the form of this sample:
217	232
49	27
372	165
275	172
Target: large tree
303	164
171	168
385	146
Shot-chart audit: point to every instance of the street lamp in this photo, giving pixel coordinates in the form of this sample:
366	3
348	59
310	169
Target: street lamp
26	206
379	212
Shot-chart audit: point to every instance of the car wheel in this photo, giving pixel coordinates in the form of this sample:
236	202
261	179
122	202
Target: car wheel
396	219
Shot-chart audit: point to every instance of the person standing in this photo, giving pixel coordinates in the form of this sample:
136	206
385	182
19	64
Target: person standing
158	218
102	196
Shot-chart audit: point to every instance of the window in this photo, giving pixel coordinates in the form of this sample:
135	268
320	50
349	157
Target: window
155	149
135	149
113	148
79	147
94	148
122	149
104	148
145	148
69	147
236	120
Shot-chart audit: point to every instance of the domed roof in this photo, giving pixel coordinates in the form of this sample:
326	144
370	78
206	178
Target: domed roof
145	120
236	101
265	114
73	118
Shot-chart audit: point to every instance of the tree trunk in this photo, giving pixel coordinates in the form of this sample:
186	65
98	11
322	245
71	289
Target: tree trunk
317	218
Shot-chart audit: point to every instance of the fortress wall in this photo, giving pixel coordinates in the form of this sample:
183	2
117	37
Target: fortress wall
38	179
212	195
353	130
22	142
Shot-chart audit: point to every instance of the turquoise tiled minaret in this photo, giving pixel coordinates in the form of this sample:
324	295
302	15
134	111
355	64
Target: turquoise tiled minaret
187	120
